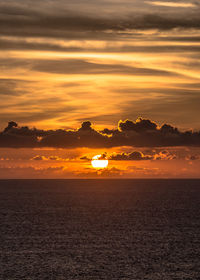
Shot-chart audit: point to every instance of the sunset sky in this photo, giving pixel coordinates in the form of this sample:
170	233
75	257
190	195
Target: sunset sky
114	78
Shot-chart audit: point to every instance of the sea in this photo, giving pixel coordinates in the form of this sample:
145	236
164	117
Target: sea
100	229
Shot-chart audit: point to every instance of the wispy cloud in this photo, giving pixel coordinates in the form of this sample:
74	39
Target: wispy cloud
121	58
172	4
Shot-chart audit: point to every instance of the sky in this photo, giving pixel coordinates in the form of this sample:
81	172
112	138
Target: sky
114	78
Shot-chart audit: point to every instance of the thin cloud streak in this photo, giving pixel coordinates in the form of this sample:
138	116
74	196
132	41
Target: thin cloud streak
171	4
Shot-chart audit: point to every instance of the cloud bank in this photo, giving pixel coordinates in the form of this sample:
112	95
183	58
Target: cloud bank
139	133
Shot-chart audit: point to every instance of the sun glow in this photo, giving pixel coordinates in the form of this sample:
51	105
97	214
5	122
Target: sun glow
99	162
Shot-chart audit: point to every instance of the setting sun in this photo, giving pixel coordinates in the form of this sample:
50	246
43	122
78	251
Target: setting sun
99	161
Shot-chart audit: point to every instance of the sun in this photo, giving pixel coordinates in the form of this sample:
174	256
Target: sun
99	161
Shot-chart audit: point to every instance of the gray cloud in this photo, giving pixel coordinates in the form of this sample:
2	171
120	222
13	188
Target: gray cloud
142	133
50	20
138	156
135	156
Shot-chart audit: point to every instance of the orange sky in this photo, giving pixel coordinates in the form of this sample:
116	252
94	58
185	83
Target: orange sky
66	62
62	163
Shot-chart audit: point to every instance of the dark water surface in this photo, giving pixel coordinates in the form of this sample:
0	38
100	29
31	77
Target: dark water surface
100	229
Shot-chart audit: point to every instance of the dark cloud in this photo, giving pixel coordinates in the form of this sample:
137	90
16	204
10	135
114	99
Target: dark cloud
49	158
11	124
130	156
191	38
152	21
101	157
139	133
138	126
86	126
135	156
85	158
48	19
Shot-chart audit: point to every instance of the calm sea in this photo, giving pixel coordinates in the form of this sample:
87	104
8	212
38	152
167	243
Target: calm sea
100	229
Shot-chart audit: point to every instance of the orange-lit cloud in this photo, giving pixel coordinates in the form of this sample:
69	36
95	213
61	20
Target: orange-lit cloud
66	163
172	4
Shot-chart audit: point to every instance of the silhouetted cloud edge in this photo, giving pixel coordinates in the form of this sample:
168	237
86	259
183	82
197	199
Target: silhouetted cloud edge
139	133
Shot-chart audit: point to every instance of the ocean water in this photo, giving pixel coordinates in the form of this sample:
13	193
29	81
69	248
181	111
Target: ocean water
100	229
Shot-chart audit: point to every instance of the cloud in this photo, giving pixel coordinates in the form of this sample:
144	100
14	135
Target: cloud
85	158
11	124
135	156
11	87
24	172
172	4
164	155
101	173
50	20
124	46
139	133
138	126
102	157
81	66
49	158
182	103
130	156
39	158
116	45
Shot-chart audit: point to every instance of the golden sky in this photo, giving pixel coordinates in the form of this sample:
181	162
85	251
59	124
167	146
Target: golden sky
63	63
